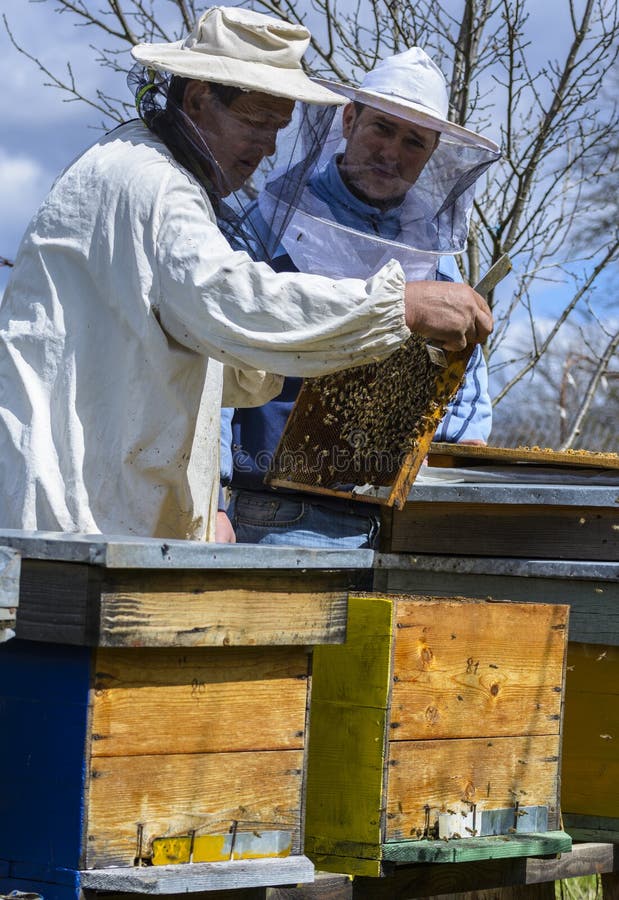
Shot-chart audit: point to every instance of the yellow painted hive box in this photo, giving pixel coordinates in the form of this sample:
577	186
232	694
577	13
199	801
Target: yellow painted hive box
435	734
190	752
590	783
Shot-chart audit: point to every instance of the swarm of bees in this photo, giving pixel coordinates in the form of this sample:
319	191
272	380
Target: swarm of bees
361	425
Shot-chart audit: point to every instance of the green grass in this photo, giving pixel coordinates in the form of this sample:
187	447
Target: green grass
588	887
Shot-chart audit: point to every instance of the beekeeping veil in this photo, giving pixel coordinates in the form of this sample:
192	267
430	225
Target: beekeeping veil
337	230
237	51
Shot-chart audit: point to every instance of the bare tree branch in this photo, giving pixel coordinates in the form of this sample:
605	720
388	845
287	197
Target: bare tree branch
600	370
552	200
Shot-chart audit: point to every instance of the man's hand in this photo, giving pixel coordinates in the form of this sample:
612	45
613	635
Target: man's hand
449	313
224	532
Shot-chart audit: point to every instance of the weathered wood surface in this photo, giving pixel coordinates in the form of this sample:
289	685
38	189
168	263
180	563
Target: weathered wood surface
80	604
326	886
592	828
590	589
166	880
545	532
610	887
464	669
453	454
511	877
10	565
227	699
246	609
427	880
467	849
591	737
390	747
507	879
134	799
493	773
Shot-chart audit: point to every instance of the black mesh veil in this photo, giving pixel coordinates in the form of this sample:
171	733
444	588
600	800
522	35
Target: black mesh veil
159	102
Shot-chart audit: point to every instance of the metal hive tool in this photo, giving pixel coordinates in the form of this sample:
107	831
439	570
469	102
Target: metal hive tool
363	433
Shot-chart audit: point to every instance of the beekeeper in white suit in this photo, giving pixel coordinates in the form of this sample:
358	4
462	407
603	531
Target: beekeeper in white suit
131	309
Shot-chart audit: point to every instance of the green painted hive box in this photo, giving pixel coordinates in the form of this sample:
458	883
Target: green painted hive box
435	734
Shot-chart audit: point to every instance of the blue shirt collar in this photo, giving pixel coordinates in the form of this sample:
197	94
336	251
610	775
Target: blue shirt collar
328	186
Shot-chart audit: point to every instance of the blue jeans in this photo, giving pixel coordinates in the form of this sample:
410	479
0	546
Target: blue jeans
260	517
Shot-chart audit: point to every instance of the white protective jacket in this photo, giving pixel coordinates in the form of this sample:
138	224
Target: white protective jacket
125	301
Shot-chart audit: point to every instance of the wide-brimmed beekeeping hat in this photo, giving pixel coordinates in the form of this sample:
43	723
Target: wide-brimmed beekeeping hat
410	86
241	48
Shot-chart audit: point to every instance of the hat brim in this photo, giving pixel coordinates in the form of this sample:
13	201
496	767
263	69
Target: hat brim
293	84
410	112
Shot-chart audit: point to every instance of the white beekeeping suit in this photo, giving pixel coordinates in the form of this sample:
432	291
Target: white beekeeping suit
130	315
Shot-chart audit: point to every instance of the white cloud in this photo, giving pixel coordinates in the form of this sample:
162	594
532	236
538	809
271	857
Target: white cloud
23	184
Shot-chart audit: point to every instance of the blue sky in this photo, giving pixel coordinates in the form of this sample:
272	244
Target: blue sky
40	133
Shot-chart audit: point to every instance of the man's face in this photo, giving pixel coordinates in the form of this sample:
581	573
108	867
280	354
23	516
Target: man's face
384	155
240	135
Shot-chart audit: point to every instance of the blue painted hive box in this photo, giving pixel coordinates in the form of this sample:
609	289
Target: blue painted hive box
153	714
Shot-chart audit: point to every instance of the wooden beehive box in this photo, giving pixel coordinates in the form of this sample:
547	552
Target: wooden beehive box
544	521
436	734
590	787
156	703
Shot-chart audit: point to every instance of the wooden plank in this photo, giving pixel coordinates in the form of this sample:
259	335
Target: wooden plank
591	828
517	892
187	609
448	381
358	672
594	603
59	602
345	781
135	799
427	880
348	726
166	880
325	887
79	604
536	455
461	669
467	849
491	773
610	887
590	783
354	866
198	701
547	532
